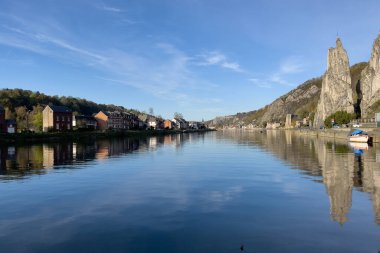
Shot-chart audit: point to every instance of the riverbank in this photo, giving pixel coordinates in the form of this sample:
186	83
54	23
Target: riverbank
83	135
340	133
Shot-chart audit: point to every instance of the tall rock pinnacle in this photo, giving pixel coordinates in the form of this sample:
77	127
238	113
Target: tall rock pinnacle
370	81
336	93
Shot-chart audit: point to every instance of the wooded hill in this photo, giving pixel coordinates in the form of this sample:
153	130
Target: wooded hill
26	106
13	98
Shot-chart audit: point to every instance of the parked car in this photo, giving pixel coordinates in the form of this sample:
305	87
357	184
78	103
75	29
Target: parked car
356	125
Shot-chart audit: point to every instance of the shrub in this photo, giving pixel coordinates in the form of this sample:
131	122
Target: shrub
340	118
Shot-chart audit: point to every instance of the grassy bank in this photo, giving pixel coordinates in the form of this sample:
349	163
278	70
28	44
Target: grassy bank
85	135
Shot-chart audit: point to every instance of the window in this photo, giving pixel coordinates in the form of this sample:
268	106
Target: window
57	126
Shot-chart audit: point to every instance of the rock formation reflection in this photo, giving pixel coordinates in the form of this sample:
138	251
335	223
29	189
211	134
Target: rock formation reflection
337	167
341	166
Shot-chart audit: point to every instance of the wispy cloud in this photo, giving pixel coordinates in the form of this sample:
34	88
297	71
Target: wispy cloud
291	65
218	59
104	7
16	42
128	21
162	70
260	83
38	42
66	45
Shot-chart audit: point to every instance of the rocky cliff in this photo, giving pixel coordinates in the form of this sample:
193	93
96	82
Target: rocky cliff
301	100
336	93
341	88
370	82
292	103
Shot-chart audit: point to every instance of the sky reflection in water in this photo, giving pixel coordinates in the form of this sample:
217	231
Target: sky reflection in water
273	192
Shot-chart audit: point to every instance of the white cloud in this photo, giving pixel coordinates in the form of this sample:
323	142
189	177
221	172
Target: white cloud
260	83
104	7
279	79
113	9
290	66
68	46
213	58
232	65
128	21
219	59
162	70
16	42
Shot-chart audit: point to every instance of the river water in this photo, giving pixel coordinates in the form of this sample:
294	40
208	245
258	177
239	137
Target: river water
224	191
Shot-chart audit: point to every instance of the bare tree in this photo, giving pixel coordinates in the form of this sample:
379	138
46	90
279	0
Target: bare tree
178	115
151	111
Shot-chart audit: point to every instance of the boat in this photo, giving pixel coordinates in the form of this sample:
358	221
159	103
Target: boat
358	136
359	145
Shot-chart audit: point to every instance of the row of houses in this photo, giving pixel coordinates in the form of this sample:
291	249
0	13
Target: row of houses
60	118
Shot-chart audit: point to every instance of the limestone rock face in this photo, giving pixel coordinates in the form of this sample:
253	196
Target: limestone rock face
289	103
336	92
370	81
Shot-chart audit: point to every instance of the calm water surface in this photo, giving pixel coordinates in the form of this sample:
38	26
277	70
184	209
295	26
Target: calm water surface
272	192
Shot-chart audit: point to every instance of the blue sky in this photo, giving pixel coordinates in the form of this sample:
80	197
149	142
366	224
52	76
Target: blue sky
201	58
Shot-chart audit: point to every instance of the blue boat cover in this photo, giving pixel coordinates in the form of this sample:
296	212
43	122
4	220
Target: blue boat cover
357	131
358	152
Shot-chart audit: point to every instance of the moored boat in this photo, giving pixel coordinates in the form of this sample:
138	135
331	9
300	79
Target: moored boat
358	145
358	136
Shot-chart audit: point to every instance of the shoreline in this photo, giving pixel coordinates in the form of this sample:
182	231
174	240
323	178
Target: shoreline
89	135
341	133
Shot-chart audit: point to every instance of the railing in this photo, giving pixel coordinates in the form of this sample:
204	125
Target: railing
371	120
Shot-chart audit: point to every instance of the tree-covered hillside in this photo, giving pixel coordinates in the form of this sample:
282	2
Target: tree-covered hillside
13	98
26	106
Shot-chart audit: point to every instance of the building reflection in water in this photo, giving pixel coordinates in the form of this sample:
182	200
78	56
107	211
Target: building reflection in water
16	162
341	166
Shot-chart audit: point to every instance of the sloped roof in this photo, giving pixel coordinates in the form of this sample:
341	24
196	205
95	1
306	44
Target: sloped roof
57	108
180	120
143	117
105	113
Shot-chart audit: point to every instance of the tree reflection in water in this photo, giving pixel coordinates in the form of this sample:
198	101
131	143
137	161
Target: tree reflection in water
20	162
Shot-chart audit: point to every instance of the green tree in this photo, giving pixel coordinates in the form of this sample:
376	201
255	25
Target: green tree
9	114
36	118
21	117
327	122
340	118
